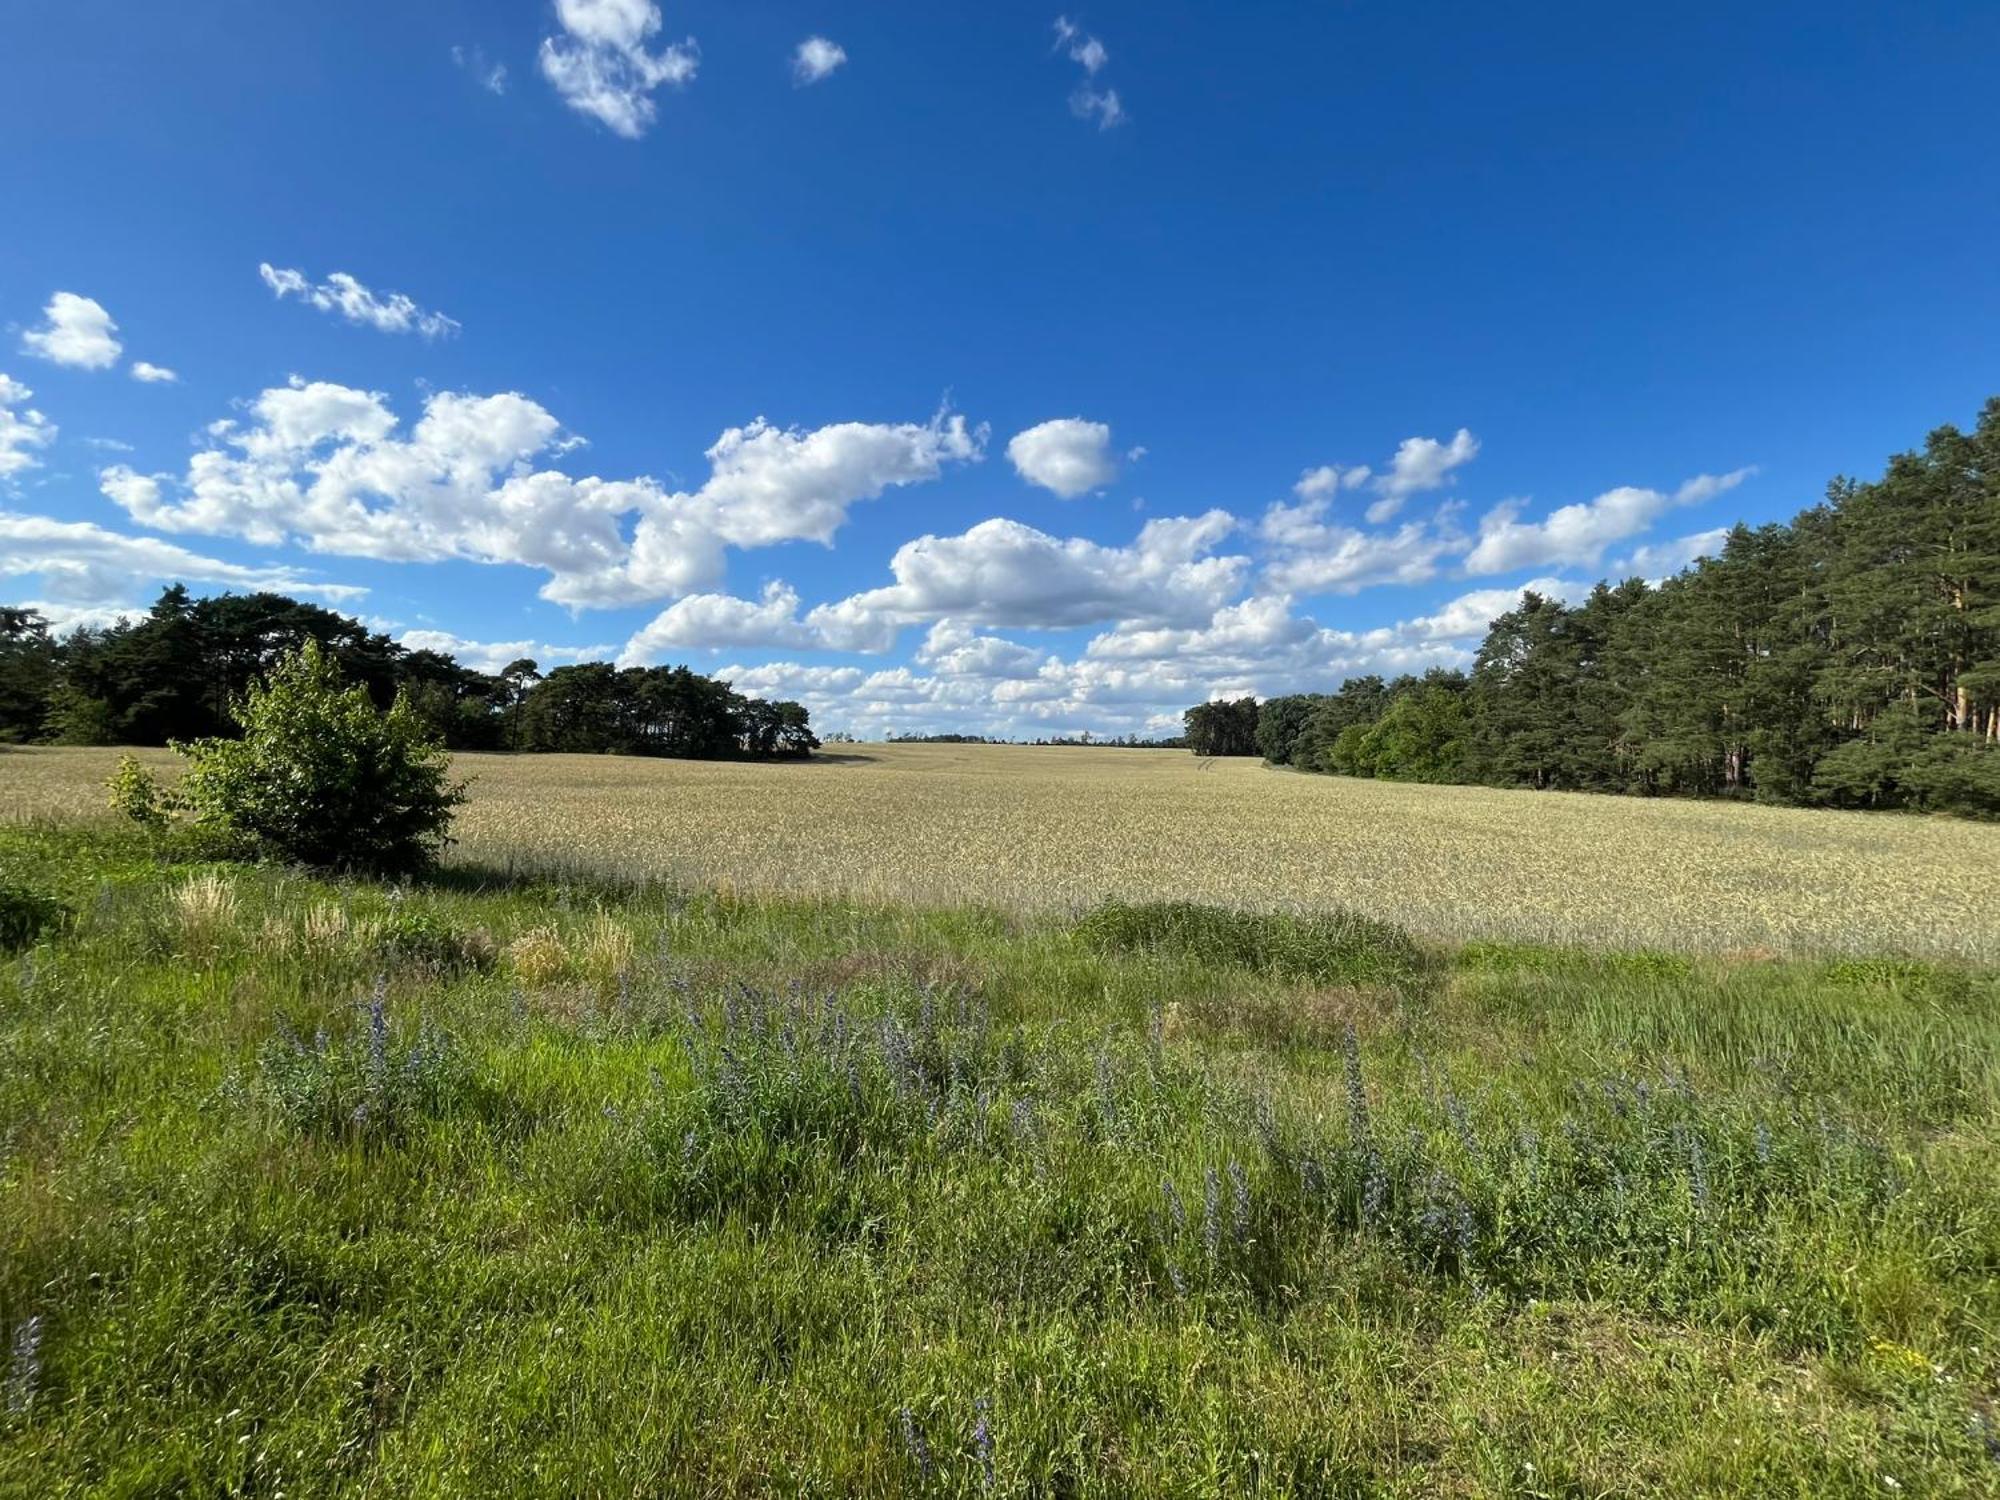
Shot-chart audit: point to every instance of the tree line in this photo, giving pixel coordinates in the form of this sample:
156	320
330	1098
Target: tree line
180	672
1847	658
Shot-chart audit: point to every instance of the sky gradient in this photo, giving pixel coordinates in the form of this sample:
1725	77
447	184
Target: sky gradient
981	368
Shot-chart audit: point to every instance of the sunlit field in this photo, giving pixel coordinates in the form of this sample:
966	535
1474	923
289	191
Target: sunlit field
1059	829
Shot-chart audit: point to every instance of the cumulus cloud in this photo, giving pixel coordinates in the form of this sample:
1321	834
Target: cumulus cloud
1313	554
341	293
1134	677
152	374
1663	559
714	621
602	65
1327	480
493	656
1420	464
1005	574
1000	573
1467	617
22	429
955	649
326	465
1579	534
80	562
76	331
816	58
1067	456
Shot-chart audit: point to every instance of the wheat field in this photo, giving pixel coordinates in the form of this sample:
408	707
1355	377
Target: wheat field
1035	829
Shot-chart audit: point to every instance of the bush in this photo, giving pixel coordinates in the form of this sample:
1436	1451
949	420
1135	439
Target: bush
136	794
1329	947
25	915
323	777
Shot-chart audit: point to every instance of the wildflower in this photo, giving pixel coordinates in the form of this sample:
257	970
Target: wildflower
914	1444
982	1441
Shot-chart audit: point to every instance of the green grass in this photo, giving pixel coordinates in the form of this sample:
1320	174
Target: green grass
642	1190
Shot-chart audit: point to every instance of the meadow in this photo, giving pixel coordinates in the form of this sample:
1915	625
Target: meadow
1055	830
596	1164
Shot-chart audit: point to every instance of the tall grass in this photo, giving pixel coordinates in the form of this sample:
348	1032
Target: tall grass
323	1188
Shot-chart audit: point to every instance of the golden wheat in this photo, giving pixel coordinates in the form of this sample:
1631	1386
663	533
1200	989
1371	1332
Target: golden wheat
1041	829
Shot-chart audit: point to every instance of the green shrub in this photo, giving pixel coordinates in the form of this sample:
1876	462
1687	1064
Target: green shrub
323	777
1330	947
26	914
136	793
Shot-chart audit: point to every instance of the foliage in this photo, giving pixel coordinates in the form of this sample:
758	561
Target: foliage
1223	728
1848	659
598	709
135	794
323	777
177	673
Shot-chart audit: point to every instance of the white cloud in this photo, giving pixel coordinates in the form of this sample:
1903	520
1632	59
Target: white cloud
1085	51
1420	464
1067	456
341	293
1102	105
492	656
1087	101
712	621
1324	482
83	563
955	649
1467	617
153	374
109	445
1314	555
816	58
1132	678
1663	559
1578	534
76	331
1002	573
22	429
63	617
325	465
602	67
492	76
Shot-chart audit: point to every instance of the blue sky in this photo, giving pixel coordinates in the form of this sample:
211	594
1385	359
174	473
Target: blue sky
967	367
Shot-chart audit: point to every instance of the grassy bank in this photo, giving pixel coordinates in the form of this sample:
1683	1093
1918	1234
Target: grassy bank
316	1187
